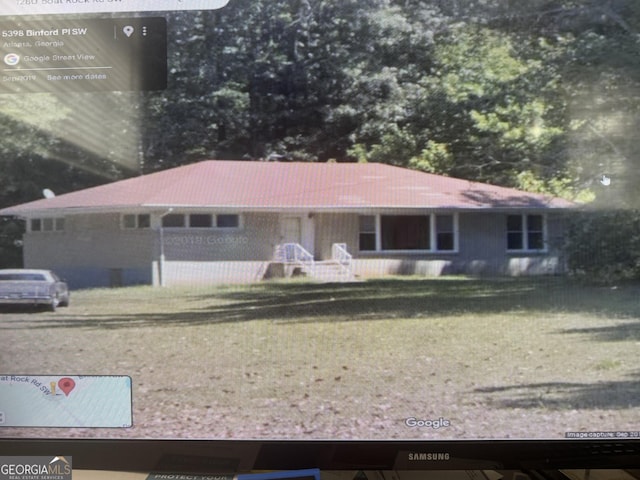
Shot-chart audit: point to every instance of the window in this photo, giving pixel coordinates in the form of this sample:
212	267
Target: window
515	238
367	240
445	233
200	220
430	233
46	224
535	234
525	232
227	221
22	277
173	220
142	220
129	221
405	232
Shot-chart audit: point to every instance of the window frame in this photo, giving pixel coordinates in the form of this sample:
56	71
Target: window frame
368	232
46	225
33	222
136	221
214	221
188	220
413	229
225	228
183	216
433	234
525	232
436	233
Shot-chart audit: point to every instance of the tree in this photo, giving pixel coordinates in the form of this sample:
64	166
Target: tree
49	142
473	106
253	80
597	60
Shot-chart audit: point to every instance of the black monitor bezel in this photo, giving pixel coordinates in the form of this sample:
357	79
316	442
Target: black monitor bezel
233	456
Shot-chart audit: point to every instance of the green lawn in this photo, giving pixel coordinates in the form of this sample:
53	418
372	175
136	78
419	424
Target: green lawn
495	357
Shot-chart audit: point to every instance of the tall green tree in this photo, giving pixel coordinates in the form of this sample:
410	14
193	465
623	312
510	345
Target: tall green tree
257	80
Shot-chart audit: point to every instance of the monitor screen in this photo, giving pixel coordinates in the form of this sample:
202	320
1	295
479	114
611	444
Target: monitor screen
319	221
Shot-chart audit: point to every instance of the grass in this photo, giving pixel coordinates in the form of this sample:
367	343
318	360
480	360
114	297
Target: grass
497	357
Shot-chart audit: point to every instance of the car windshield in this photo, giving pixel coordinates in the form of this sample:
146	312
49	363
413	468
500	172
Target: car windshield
22	277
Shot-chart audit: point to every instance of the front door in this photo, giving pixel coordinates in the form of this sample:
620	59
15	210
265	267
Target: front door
298	229
291	230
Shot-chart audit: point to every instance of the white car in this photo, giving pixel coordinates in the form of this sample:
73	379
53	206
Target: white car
33	287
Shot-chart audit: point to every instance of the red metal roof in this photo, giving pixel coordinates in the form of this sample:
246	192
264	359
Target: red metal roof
272	185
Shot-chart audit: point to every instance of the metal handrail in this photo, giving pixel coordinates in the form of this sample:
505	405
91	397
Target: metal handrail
295	253
341	256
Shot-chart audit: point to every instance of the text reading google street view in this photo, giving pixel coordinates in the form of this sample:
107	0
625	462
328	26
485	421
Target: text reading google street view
83	55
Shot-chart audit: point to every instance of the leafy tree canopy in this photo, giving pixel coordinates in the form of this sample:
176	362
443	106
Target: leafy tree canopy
535	95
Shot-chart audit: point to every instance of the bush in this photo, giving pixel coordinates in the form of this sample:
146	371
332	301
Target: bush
11	232
604	246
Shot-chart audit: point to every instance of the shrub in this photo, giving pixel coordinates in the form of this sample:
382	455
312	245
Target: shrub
604	246
11	231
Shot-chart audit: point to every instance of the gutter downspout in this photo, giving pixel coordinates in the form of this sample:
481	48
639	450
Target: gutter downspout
161	269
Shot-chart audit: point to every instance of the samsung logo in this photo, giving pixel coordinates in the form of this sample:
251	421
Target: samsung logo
428	457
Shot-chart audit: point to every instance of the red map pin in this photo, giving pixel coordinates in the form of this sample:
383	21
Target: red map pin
66	385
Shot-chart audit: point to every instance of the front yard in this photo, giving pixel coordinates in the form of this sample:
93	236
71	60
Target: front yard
496	358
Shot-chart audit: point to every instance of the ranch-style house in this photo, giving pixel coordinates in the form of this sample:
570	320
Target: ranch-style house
244	221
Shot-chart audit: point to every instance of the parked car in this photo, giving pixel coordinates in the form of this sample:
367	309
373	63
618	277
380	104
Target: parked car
33	287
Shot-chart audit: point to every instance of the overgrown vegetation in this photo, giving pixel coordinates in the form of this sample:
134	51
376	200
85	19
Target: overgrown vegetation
604	246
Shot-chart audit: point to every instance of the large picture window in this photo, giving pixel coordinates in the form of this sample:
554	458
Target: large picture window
427	233
525	232
405	232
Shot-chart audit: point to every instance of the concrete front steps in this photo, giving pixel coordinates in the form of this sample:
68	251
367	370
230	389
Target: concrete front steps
330	271
325	271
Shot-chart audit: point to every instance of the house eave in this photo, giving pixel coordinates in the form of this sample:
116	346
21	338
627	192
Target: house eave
161	208
63	211
355	208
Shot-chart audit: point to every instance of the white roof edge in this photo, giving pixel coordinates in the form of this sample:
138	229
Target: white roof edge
150	208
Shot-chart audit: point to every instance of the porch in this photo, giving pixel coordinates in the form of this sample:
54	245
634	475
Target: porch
292	260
